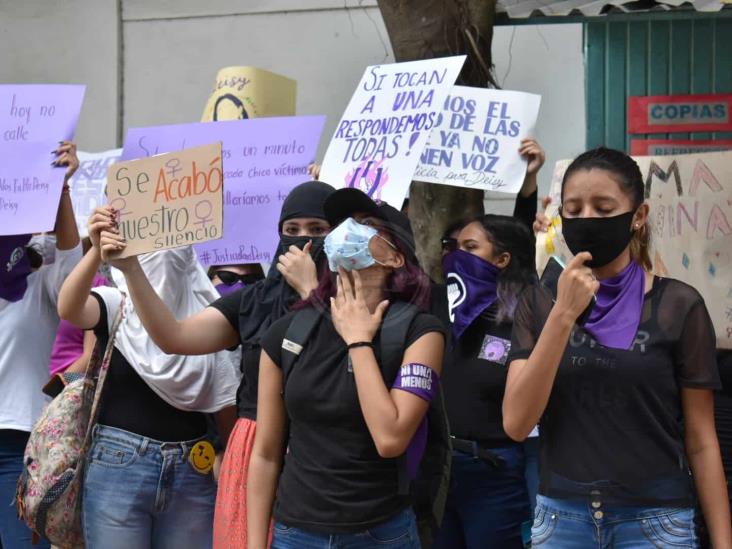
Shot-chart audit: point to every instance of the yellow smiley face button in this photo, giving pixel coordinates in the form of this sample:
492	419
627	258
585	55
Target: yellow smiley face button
202	457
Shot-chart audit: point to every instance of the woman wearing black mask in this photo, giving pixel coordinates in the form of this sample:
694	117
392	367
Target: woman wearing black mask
488	499
625	401
242	317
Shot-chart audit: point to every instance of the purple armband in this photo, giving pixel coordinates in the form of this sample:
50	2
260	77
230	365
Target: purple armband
417	379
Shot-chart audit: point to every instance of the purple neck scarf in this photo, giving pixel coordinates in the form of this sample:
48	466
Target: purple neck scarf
616	315
472	283
14	267
226	289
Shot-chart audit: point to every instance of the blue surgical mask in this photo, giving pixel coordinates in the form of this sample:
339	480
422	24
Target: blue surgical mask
347	246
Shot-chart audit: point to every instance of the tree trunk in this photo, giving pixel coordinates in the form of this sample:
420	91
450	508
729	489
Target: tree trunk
425	29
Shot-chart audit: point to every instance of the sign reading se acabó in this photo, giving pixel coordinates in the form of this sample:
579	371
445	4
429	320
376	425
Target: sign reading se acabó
169	200
680	113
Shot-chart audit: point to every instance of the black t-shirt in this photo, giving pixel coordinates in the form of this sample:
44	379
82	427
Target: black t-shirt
474	376
246	395
334	480
614	421
129	403
723	411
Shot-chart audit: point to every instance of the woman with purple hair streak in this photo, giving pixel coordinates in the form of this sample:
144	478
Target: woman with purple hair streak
351	412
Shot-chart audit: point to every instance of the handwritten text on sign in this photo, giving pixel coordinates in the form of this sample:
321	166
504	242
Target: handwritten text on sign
169	200
30	187
378	141
264	158
36	112
476	140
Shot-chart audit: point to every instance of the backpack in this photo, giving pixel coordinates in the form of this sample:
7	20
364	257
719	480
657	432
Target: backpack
428	491
48	495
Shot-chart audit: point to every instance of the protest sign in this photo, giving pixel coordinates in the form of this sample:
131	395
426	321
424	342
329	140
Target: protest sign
248	92
39	112
378	141
30	187
690	199
169	200
87	184
264	158
476	140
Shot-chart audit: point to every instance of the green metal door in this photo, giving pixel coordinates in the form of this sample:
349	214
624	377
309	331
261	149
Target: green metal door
652	54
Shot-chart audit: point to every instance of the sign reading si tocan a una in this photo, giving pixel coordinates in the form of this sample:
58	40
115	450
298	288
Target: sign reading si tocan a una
680	113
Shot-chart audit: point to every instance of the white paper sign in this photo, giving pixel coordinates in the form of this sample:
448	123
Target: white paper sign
476	141
87	184
378	141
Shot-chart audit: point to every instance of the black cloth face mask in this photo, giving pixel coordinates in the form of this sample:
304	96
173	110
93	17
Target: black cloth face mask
604	237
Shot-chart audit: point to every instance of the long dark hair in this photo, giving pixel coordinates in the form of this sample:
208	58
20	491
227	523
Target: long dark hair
409	283
508	234
629	178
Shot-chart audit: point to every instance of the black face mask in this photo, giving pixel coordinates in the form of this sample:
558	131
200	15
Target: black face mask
315	250
604	237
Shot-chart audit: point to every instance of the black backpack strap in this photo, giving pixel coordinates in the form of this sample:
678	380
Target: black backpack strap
298	333
393	338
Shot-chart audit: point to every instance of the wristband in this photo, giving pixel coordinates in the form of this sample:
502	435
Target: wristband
66	188
360	344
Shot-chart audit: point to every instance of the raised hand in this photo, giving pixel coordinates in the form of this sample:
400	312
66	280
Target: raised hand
352	318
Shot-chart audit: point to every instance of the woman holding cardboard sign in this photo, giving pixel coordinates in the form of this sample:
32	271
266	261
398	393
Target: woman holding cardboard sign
241	317
148	480
625	400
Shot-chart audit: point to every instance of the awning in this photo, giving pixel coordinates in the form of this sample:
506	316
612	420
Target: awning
516	9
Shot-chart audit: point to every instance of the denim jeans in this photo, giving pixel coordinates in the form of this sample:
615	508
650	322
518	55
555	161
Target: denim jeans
14	534
399	532
568	524
486	505
143	493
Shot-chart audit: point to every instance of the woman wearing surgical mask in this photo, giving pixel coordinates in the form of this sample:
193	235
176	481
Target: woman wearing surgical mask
28	322
238	318
625	401
488	499
340	417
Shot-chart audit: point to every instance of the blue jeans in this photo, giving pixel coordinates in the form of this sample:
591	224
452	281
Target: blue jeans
399	532
569	524
143	493
486	505
14	534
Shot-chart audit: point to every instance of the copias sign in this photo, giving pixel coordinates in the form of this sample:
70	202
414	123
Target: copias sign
680	113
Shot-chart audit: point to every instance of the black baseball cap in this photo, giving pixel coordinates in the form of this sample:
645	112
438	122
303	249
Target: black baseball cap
348	201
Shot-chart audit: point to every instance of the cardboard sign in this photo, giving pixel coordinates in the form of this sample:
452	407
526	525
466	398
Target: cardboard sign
248	92
690	199
660	147
88	184
380	137
264	158
680	113
476	140
30	187
170	200
39	112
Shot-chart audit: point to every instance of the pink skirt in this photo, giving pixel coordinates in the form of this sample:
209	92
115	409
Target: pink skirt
230	517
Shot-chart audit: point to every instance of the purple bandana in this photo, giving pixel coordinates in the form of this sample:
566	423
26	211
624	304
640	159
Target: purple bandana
616	315
14	267
226	289
471	288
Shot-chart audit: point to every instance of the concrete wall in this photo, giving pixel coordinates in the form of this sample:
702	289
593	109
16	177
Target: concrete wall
160	69
67	42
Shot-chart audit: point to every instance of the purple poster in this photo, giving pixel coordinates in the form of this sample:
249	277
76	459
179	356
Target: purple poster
29	187
33	119
39	112
264	158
